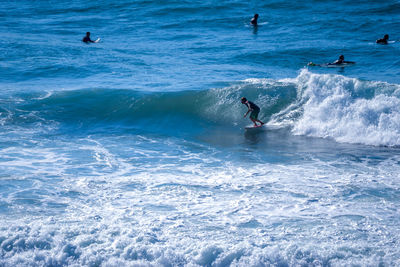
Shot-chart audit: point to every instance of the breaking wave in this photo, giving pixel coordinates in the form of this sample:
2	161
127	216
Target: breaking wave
317	105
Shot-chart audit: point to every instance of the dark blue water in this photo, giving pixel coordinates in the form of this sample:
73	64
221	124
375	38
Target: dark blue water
132	150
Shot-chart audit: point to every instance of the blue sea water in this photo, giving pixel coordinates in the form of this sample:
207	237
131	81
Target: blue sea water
132	151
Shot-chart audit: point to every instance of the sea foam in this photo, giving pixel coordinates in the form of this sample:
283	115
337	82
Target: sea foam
344	109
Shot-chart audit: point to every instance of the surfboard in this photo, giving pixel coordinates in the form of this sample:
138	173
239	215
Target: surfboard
336	65
328	65
98	40
253	128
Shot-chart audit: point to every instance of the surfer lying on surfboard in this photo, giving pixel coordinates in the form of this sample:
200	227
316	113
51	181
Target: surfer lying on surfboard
254	111
339	62
384	40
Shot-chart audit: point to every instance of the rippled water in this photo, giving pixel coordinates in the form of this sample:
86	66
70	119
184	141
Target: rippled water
132	151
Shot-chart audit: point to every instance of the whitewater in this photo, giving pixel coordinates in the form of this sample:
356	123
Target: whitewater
132	151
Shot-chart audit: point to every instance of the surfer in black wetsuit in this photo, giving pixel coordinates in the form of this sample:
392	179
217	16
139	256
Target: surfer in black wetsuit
254	109
338	62
87	39
384	40
254	20
341	61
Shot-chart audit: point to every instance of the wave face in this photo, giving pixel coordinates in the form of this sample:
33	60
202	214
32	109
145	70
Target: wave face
345	109
215	106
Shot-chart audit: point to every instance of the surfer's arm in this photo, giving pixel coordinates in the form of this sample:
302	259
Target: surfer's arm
87	40
249	109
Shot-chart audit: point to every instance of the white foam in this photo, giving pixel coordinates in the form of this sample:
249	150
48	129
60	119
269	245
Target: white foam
233	214
47	95
345	109
150	201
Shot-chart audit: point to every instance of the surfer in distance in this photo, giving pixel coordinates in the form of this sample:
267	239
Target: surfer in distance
254	20
384	40
87	39
254	109
338	62
341	61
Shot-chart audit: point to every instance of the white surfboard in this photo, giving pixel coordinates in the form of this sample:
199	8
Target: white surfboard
98	40
252	128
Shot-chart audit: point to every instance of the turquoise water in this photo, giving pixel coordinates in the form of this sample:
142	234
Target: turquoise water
132	151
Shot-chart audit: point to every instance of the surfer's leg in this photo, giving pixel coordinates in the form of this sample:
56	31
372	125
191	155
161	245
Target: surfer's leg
254	117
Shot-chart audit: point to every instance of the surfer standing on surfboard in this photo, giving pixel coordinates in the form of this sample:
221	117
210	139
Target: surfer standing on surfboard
254	111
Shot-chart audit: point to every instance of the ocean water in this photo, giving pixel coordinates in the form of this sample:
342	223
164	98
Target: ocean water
132	151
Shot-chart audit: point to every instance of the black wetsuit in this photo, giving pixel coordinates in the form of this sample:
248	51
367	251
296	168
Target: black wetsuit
253	106
87	39
341	62
255	110
382	41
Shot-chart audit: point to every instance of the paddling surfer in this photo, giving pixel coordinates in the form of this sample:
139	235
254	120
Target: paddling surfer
338	62
384	40
341	61
254	109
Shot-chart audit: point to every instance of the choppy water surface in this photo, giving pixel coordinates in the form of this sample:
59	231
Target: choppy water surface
132	151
